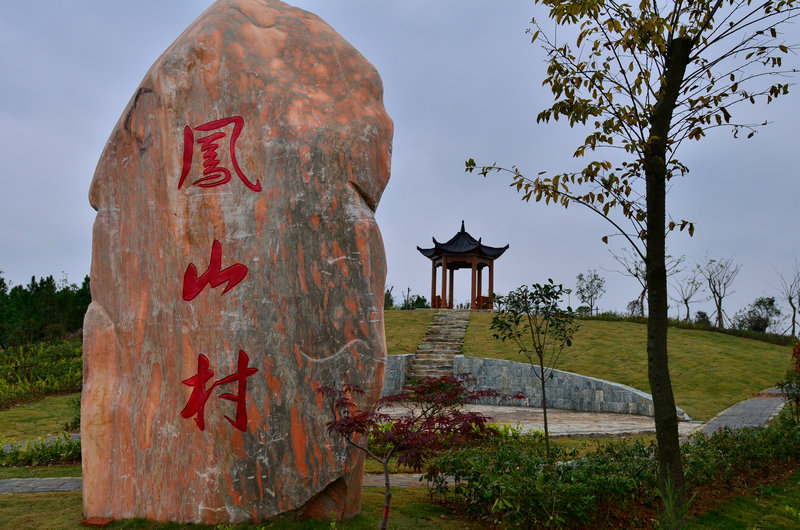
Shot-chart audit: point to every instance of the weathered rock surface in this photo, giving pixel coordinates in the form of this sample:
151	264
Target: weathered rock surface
236	268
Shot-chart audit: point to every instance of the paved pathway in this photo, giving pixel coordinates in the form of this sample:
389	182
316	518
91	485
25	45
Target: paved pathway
40	485
752	412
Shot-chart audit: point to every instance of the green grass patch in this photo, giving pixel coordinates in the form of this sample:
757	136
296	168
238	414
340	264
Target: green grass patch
587	444
56	471
38	419
371	467
405	329
41	511
710	371
771	506
411	510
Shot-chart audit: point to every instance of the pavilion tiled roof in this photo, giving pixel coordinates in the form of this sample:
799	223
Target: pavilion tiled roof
462	243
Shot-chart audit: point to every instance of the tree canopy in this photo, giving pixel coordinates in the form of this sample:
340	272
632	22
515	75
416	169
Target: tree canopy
42	310
644	78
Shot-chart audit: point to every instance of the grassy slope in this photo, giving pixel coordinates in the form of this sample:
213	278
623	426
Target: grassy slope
405	329
411	510
38	419
710	371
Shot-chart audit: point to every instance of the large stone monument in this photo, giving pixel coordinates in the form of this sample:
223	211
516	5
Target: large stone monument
236	268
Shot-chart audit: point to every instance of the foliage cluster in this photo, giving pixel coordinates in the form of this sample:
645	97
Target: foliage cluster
431	421
61	450
512	483
728	453
790	386
759	316
509	480
32	371
43	310
532	319
590	287
410	301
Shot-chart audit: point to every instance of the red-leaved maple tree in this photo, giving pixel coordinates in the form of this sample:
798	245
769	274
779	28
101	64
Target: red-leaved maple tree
431	420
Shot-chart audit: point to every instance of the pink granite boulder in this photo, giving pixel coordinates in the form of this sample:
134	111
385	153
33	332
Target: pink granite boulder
236	268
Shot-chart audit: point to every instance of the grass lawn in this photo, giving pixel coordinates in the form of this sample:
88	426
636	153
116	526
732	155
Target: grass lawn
405	329
38	419
770	506
411	510
59	471
41	511
710	371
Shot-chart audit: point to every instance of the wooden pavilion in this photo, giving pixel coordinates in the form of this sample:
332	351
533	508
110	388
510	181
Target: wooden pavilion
460	252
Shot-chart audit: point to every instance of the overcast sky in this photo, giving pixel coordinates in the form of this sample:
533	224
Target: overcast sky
461	80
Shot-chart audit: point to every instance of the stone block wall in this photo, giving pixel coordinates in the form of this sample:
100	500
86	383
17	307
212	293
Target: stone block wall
565	390
394	377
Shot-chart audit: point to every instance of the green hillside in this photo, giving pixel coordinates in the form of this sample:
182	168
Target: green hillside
710	371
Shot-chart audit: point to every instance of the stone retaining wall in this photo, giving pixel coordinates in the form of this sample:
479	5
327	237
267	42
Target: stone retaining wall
565	390
394	377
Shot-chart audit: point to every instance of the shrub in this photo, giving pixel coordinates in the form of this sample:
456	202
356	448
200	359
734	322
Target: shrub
759	315
75	423
33	371
62	450
510	481
702	320
432	421
728	453
506	479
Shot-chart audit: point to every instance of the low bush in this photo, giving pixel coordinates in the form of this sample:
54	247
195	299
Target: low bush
61	450
741	452
507	480
512	483
33	371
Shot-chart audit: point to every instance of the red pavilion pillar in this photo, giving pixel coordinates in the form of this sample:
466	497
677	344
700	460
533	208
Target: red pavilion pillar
450	297
444	281
491	284
472	303
433	283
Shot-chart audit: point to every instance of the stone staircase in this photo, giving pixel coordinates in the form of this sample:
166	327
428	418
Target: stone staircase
445	336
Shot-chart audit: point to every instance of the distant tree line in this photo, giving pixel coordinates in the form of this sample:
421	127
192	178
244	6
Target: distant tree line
43	310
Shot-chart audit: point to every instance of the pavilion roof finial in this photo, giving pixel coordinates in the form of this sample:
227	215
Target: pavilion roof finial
462	226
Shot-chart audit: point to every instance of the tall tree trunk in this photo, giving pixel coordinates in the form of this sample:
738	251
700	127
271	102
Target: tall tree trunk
666	419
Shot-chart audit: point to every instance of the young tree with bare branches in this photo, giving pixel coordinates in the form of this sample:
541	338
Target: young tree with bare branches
719	276
589	288
686	289
635	267
790	291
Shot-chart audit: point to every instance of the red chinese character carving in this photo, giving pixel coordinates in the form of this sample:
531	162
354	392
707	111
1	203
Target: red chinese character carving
197	401
214	276
213	173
